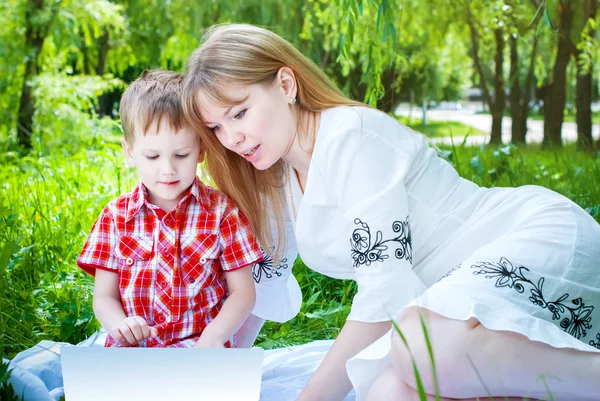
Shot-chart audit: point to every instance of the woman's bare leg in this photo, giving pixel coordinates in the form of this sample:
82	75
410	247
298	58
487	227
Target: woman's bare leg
389	387
473	361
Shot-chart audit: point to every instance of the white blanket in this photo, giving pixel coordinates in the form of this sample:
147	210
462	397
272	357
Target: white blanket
37	372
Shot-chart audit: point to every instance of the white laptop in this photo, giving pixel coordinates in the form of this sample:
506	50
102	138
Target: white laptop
161	374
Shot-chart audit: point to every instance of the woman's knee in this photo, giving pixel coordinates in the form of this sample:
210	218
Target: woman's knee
425	337
387	387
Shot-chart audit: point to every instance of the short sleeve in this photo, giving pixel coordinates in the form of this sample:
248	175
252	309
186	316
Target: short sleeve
366	170
278	295
99	249
239	247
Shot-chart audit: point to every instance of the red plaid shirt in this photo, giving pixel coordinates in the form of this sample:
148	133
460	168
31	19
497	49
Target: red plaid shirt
171	265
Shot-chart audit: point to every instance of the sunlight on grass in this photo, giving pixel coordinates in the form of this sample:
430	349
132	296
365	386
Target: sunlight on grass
441	128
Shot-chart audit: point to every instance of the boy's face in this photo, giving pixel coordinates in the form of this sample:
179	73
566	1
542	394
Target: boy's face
166	162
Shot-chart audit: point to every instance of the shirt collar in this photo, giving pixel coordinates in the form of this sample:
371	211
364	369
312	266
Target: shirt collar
139	197
200	192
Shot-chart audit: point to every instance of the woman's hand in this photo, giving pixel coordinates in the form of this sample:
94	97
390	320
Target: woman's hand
207	340
235	310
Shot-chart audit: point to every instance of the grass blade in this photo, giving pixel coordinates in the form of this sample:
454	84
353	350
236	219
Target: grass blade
431	358
418	380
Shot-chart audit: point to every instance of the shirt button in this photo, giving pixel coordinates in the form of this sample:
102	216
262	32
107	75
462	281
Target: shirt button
192	280
129	261
203	260
168	222
161	319
162	284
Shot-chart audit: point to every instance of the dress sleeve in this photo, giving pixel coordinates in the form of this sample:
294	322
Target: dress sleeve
278	295
99	249
365	172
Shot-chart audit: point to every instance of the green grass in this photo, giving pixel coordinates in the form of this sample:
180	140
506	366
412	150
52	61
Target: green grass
441	128
49	201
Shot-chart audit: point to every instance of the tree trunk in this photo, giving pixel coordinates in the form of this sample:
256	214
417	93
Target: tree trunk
34	40
103	106
517	134
424	110
554	104
388	78
478	67
583	91
528	89
583	101
499	98
410	104
87	63
495	106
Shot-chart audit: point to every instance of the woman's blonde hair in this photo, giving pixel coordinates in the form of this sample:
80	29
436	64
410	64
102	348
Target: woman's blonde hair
240	54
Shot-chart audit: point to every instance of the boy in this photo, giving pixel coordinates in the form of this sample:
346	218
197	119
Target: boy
167	255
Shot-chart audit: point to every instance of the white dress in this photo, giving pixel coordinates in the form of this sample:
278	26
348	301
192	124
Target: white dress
381	208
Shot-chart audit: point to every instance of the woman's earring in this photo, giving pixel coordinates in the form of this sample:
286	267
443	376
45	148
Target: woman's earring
292	101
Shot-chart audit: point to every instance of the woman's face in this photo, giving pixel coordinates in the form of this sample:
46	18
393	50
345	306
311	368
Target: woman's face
261	129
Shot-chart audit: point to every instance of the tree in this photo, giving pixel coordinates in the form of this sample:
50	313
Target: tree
555	101
583	90
520	96
496	103
38	18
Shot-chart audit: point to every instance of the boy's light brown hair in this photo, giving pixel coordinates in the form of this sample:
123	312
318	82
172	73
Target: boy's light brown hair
153	97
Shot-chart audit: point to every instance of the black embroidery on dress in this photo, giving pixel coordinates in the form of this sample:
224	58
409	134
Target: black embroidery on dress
575	318
455	268
596	344
265	268
365	251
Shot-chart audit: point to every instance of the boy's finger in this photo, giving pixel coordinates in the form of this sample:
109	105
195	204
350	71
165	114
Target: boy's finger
153	332
136	330
129	337
144	329
116	334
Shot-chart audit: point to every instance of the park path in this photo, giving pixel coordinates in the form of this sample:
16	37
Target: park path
483	122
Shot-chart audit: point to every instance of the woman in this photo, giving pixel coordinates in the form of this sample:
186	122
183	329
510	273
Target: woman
506	279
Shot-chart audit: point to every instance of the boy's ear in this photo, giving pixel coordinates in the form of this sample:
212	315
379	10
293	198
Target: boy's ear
127	151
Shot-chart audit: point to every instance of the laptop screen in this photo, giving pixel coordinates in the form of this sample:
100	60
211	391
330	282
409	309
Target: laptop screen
149	374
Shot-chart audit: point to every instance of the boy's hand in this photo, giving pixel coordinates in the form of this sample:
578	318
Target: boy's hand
209	341
132	330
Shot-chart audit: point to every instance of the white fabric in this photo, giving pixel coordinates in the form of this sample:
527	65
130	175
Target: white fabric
278	295
380	207
37	371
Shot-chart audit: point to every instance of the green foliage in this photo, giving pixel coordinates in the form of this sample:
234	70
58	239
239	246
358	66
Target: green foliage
7	392
588	47
64	103
48	204
325	306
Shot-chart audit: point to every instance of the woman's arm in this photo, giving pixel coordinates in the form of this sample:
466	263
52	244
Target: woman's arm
246	335
330	382
235	310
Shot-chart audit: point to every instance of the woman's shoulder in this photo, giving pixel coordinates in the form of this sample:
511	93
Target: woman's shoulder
349	117
347	125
